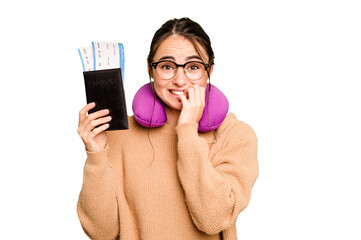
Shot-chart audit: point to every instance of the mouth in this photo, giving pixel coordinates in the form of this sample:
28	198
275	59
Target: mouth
176	93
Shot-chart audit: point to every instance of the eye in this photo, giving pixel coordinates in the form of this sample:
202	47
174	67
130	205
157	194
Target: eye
166	67
194	66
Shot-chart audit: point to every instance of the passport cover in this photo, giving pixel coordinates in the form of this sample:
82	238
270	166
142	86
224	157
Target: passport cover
105	88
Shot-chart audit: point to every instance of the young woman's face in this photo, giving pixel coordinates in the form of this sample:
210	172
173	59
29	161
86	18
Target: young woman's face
179	50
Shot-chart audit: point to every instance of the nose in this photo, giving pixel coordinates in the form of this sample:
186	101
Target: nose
180	78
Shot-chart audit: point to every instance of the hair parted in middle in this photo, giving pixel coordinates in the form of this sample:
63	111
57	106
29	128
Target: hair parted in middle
183	27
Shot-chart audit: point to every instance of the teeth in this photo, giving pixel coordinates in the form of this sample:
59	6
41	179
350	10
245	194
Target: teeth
177	92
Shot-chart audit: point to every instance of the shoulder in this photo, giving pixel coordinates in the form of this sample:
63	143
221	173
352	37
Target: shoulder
233	129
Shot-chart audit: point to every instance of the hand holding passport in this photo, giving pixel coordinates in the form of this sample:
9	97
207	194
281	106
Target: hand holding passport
103	66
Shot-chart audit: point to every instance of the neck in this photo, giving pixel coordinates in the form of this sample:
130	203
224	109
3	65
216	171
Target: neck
172	115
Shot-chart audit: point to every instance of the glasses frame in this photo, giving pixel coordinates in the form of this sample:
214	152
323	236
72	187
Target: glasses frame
155	64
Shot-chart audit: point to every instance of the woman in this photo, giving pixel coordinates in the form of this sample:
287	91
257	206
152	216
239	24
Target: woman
169	182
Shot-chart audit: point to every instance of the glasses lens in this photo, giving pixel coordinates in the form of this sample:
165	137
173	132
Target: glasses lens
195	70
166	70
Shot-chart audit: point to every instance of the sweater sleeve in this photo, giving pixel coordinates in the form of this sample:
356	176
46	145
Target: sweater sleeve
217	183
97	206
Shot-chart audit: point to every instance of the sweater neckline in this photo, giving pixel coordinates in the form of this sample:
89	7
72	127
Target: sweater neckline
167	129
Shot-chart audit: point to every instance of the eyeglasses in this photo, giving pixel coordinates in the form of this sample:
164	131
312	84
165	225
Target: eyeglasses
168	69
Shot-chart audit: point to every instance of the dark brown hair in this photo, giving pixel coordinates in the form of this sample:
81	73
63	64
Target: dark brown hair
184	27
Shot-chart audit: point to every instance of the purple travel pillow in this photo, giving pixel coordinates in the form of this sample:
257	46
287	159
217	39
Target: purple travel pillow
143	106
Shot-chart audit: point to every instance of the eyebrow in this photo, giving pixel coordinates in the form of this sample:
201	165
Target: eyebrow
187	58
194	57
166	58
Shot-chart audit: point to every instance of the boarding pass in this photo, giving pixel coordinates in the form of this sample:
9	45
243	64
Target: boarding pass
101	56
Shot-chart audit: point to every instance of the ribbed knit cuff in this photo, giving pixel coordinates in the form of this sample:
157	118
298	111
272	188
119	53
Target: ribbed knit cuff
187	130
98	157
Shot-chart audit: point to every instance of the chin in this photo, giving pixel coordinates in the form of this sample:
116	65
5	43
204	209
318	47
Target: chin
170	100
174	105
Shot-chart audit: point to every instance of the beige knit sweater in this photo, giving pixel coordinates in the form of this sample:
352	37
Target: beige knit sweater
169	183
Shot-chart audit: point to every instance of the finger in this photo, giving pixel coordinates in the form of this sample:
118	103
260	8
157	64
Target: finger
203	95
94	123
198	95
98	130
95	115
184	100
198	101
84	111
191	94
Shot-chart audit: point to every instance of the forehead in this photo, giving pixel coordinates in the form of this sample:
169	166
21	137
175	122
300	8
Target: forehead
178	47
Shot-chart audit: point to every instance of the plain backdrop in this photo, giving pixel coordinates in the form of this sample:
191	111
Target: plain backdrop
290	69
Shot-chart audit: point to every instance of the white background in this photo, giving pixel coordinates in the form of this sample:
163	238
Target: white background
289	68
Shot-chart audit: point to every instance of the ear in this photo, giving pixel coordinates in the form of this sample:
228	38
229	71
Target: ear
210	71
150	72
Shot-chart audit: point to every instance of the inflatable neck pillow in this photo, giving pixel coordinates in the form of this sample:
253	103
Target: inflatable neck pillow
149	111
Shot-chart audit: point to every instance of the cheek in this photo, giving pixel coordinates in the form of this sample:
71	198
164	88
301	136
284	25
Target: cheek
159	88
201	82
